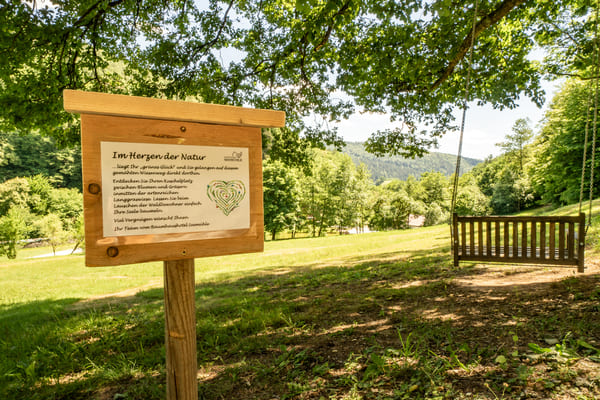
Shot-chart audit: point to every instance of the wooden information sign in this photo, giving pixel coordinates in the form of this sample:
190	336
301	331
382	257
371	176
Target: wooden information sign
166	180
170	181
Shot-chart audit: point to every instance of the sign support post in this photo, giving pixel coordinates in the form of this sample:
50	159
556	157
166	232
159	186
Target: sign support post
180	330
170	181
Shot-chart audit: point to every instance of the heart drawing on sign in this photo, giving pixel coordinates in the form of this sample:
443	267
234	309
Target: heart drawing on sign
227	195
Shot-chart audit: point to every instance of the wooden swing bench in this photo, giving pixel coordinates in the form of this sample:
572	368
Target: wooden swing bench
553	240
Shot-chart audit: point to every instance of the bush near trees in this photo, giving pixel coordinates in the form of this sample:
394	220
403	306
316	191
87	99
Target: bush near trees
34	154
32	208
14	226
15	193
50	227
390	209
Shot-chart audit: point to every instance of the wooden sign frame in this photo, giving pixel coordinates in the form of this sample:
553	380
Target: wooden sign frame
126	119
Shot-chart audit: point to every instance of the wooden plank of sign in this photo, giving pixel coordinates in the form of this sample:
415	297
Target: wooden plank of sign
172	246
81	102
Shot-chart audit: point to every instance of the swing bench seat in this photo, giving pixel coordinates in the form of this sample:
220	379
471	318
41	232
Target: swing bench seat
550	240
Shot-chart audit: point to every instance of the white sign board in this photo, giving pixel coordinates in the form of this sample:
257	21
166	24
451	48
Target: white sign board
167	188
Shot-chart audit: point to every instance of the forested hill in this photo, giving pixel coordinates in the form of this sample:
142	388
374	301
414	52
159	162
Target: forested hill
401	168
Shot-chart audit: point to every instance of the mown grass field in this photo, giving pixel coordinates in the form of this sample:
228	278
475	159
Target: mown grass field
375	316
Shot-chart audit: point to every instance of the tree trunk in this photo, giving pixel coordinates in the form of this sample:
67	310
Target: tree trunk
76	246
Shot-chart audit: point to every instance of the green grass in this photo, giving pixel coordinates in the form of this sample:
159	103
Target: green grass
27	279
376	316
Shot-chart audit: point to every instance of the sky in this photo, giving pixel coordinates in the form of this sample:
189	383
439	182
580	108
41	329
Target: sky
484	126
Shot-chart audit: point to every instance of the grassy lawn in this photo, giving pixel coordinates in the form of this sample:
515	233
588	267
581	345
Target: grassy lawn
375	316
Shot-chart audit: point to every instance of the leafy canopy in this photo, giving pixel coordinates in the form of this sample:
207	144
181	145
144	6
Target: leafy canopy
559	148
317	60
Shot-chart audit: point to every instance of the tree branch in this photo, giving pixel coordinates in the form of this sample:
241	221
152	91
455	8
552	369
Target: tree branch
565	32
210	43
325	39
500	12
136	15
80	20
578	76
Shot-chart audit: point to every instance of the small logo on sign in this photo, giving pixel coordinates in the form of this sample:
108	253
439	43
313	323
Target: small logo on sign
235	156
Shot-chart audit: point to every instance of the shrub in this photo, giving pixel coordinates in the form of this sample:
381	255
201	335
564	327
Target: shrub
14	227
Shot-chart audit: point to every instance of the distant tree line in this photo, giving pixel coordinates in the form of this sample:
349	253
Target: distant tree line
334	194
35	154
390	167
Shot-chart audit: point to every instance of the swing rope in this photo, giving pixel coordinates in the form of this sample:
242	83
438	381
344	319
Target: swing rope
585	145
464	116
594	127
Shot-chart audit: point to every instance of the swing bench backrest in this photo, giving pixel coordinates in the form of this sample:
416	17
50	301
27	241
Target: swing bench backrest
558	240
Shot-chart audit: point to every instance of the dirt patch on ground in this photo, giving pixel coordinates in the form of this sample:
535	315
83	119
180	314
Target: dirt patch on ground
502	277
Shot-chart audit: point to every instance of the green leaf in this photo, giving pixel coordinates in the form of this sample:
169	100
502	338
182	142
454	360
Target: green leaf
537	349
586	345
303	6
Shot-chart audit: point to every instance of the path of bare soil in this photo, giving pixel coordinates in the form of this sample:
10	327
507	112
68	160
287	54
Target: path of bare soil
502	277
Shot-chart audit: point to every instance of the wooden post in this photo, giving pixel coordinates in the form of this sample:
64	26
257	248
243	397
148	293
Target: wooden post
180	330
455	238
581	244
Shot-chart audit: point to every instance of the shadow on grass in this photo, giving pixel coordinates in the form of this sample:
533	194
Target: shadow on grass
390	325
